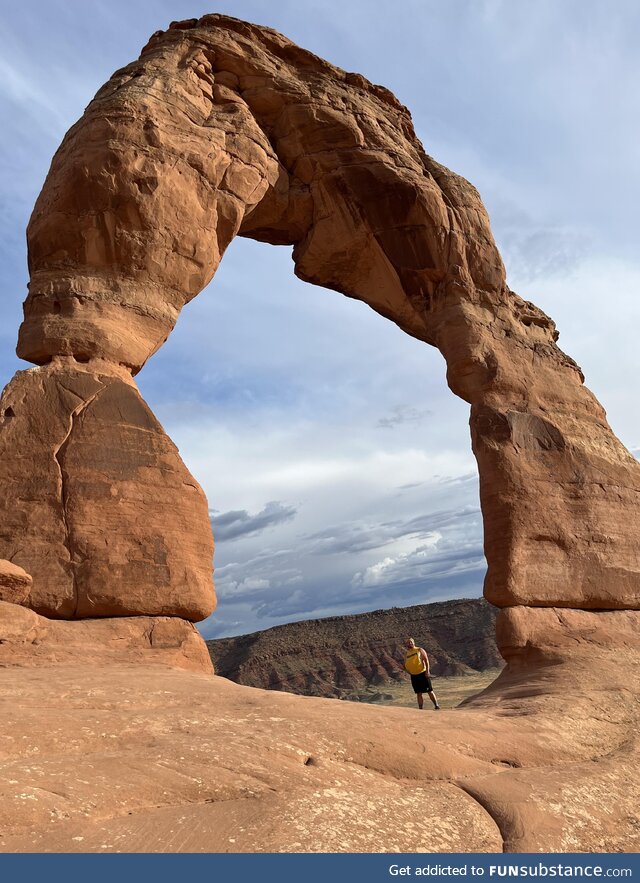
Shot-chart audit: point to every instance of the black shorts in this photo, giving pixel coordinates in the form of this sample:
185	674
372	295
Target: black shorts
421	683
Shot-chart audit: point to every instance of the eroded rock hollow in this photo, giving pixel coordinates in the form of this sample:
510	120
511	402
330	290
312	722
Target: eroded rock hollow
223	128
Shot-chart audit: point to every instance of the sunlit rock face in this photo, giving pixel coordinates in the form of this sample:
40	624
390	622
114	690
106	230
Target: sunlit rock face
15	583
97	505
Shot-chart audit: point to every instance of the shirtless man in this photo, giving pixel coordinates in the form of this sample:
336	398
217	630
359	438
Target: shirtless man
416	662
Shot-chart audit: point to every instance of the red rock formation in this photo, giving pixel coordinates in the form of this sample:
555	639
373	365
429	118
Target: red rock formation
97	504
339	655
15	583
222	127
30	641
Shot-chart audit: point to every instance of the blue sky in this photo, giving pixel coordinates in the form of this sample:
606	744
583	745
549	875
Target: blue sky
336	462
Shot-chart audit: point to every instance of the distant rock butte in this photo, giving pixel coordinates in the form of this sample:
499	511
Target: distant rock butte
223	128
340	654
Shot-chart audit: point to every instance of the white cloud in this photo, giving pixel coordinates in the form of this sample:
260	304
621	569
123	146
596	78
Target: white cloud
403	414
392	569
254	583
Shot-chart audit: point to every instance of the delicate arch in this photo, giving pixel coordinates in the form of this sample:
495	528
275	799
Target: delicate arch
222	128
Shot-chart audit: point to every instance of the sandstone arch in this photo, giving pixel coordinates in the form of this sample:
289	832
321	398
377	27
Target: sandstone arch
222	128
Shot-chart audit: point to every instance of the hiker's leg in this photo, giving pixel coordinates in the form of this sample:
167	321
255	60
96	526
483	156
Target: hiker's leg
420	700
432	696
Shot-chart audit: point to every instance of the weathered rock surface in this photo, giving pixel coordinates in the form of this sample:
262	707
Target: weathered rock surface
223	128
96	503
340	654
30	640
15	583
133	758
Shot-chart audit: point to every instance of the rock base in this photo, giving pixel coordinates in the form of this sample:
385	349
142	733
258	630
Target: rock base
28	640
95	501
136	758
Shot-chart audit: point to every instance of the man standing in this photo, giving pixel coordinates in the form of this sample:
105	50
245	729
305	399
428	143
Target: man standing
416	663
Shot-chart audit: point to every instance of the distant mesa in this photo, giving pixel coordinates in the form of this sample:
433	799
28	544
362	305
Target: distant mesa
335	656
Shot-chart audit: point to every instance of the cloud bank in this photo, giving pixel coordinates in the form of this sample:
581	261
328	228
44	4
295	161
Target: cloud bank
238	522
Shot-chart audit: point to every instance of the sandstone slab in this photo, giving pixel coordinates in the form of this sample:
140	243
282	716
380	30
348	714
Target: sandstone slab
29	640
136	758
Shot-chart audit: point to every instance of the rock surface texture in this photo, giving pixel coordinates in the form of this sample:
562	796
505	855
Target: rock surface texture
223	128
15	583
124	758
30	640
96	503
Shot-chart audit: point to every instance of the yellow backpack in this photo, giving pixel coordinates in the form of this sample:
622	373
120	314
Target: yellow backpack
413	661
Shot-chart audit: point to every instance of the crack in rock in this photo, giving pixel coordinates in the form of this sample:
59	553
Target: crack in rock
58	455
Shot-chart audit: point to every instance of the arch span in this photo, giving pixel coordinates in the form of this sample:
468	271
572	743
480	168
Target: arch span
223	128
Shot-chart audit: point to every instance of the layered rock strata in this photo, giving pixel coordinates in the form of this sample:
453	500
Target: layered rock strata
223	128
341	654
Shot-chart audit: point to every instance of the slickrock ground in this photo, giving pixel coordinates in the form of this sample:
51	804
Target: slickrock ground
147	758
339	654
